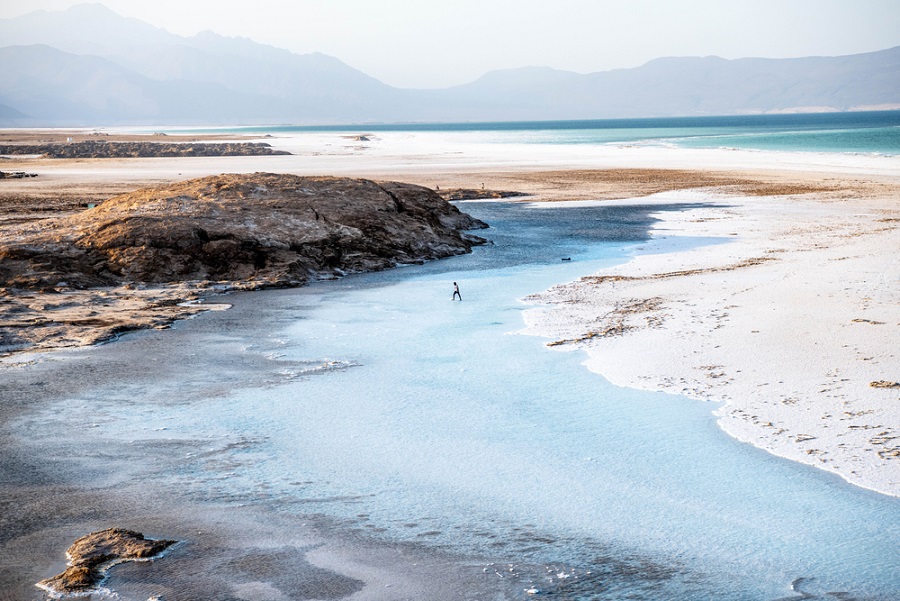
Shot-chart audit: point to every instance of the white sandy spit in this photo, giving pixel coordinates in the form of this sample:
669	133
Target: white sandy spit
792	319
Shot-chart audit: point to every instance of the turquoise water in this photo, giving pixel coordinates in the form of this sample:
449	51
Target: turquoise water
433	422
876	132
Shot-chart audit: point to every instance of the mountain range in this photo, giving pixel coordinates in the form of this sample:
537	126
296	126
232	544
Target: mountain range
89	66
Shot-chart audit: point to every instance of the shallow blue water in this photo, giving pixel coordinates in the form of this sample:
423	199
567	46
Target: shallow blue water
436	423
876	132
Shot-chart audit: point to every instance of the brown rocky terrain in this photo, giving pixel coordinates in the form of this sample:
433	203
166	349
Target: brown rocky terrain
103	149
90	556
59	277
260	230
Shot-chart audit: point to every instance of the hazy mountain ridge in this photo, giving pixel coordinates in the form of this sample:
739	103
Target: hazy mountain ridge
700	86
90	66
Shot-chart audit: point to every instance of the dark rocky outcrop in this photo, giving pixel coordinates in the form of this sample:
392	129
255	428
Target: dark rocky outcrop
102	149
90	556
477	194
255	230
16	174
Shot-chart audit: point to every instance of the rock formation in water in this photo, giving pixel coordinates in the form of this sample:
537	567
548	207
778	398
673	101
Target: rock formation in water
90	556
254	230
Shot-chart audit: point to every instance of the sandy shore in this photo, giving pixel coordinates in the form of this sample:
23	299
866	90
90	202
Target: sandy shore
785	308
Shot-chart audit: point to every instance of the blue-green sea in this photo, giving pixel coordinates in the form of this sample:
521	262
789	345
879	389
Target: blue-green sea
875	132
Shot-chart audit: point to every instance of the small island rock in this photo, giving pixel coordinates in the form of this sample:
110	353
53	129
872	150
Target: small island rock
90	556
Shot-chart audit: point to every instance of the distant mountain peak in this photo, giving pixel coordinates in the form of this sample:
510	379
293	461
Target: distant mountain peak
97	12
208	34
92	8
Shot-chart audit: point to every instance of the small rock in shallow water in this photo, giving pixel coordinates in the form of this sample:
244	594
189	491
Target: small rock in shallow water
92	555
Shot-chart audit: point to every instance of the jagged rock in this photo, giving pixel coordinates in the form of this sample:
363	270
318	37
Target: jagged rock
257	230
90	556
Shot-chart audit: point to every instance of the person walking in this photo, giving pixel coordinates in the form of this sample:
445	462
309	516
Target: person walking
456	294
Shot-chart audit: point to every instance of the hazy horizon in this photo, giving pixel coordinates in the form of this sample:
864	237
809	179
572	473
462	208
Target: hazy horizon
441	44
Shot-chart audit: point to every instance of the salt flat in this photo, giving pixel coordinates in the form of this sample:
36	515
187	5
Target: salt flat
778	274
789	313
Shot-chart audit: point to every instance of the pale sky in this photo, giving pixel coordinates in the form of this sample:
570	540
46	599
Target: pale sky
439	43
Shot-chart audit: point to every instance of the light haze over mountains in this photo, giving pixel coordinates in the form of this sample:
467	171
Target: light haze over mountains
89	66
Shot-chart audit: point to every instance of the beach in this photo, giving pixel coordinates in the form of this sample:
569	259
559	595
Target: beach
766	285
786	312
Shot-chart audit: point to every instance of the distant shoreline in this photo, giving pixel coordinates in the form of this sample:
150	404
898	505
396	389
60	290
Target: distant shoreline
104	149
857	116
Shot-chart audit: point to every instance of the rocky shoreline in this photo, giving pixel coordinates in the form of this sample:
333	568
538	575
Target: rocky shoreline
143	259
102	149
